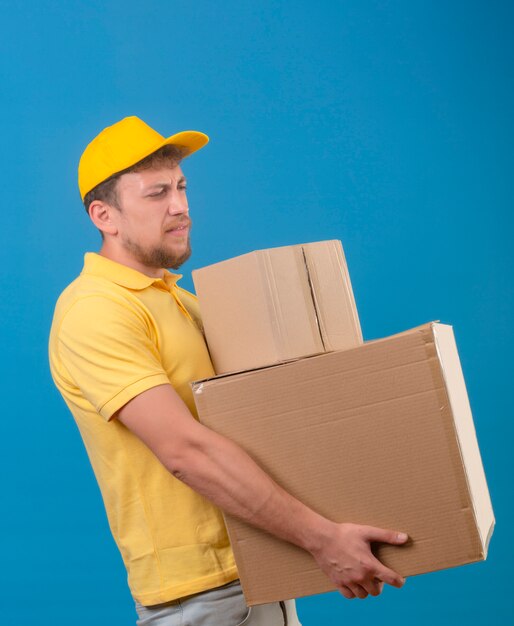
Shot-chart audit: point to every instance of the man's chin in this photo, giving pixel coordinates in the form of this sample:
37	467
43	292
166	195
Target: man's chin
175	265
176	261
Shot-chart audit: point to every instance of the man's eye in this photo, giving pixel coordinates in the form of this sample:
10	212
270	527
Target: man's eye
158	193
184	187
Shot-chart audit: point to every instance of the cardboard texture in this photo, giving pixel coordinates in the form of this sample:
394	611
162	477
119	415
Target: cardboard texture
381	434
277	305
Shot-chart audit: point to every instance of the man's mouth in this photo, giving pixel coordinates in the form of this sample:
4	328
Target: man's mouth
179	228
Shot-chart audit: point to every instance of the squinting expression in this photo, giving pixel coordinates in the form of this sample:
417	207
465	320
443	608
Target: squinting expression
153	221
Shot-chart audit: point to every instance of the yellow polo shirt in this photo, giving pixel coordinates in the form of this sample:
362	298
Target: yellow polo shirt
117	332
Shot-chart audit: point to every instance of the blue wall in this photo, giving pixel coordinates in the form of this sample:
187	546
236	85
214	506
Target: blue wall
387	125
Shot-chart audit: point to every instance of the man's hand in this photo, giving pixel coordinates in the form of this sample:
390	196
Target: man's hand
345	557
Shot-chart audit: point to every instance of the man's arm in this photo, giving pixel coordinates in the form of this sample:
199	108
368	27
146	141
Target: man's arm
222	472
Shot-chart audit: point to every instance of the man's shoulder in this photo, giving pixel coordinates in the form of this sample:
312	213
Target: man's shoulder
82	286
93	294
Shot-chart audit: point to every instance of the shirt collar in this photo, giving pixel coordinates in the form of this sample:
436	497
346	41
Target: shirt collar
98	265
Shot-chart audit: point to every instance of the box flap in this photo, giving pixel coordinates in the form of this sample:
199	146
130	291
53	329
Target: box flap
332	294
465	431
290	309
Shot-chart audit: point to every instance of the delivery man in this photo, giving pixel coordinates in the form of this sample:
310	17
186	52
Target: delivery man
125	343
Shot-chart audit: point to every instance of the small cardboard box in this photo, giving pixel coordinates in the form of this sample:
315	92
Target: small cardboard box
277	305
381	434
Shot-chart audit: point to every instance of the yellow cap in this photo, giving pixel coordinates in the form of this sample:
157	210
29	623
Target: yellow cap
124	144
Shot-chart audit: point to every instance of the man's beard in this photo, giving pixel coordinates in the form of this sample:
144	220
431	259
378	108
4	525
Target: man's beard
158	257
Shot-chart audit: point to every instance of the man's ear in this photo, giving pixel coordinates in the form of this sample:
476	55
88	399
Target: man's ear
101	215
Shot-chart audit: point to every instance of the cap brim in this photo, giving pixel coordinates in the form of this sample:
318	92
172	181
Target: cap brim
191	140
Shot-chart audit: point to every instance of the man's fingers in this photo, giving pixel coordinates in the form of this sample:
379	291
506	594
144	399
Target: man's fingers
349	595
374	587
388	575
358	591
385	536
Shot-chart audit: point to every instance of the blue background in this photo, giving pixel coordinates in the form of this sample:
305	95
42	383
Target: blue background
387	125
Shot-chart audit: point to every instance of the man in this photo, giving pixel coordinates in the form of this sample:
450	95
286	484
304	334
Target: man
125	343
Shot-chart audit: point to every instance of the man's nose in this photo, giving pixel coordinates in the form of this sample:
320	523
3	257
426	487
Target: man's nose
178	206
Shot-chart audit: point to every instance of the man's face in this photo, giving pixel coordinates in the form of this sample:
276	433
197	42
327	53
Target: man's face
153	221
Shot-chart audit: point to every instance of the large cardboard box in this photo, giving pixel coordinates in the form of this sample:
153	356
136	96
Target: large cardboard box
277	305
381	434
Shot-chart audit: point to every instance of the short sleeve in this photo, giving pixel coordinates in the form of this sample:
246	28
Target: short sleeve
107	348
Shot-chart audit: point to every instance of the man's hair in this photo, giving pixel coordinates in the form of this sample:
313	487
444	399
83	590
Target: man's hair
167	156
